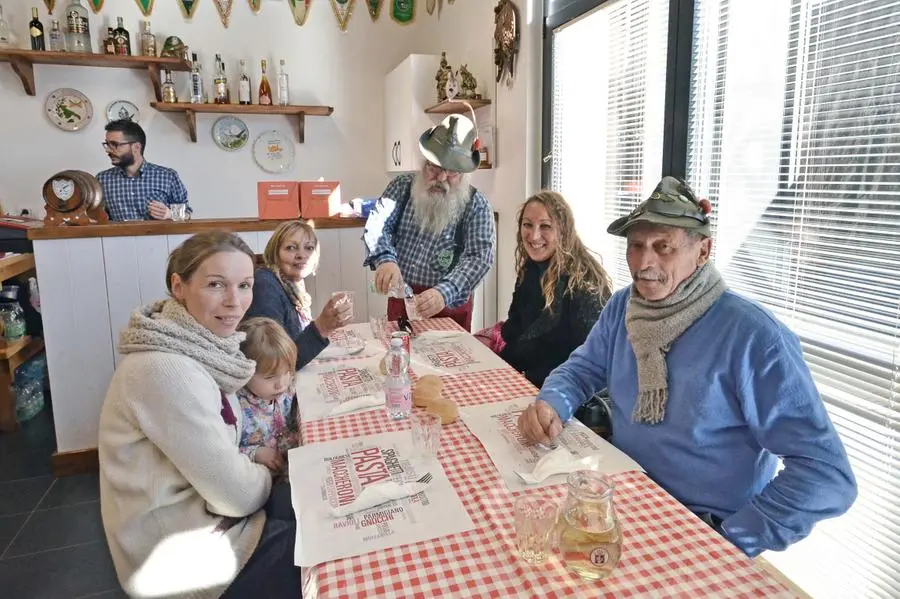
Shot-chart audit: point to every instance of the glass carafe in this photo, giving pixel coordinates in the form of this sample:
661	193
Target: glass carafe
590	542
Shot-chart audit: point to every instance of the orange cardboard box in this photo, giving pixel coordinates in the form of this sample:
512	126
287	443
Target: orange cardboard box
320	199
278	200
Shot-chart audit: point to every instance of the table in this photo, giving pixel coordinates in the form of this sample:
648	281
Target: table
667	551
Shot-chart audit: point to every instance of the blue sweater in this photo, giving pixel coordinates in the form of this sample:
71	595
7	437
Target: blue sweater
740	398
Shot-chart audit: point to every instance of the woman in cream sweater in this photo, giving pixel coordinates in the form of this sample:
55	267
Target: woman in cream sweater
182	507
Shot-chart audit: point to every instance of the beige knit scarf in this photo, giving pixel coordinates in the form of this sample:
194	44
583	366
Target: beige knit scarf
653	326
166	326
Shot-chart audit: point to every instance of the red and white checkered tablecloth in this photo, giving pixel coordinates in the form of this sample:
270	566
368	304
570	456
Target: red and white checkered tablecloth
667	551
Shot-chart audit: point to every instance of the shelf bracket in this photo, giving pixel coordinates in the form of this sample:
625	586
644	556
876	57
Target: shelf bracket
155	80
301	127
192	124
25	70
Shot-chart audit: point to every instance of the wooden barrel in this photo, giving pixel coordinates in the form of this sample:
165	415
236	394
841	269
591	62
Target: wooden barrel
71	190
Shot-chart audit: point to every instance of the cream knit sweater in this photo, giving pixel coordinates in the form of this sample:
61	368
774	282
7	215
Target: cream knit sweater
170	470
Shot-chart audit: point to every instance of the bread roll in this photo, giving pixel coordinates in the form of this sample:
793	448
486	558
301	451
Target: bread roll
445	408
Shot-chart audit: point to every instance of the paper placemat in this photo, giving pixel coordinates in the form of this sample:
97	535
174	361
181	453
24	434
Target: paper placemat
323	386
451	352
333	474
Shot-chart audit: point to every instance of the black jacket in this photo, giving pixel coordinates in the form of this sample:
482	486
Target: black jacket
272	301
538	341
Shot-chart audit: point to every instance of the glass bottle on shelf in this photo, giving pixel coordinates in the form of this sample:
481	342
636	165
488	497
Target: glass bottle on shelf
265	90
109	44
198	94
12	317
148	41
244	85
5	39
78	31
284	92
220	82
168	89
121	39
36	31
55	39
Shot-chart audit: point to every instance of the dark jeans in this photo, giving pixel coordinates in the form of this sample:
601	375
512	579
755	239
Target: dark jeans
270	572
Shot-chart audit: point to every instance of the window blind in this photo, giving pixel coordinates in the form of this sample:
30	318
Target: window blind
794	135
609	71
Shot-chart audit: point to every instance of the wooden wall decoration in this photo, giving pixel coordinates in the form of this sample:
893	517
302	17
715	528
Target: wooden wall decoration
146	6
300	10
255	5
188	7
430	5
50	4
403	11
374	7
96	6
506	40
343	9
224	9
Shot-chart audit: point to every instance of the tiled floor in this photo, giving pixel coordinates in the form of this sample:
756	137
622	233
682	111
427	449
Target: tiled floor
51	536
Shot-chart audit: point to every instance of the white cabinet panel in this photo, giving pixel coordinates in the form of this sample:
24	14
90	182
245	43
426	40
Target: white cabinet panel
77	334
328	276
120	264
408	90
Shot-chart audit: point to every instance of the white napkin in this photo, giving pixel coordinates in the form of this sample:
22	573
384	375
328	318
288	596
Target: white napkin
559	461
358	403
439	334
377	494
337	351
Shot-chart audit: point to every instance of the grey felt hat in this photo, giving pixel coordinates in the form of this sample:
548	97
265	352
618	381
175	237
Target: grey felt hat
452	145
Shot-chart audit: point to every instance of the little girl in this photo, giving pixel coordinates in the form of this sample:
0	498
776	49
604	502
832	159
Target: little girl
267	401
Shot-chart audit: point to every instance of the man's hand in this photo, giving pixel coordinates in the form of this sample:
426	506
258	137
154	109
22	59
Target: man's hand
269	458
429	303
386	276
540	423
159	211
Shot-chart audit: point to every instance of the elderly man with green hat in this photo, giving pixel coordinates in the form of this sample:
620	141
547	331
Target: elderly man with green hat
432	230
709	392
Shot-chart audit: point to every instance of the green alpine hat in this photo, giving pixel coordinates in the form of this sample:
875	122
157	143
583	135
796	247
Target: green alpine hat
672	203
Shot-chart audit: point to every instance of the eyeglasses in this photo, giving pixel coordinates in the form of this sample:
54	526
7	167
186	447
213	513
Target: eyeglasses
436	171
115	145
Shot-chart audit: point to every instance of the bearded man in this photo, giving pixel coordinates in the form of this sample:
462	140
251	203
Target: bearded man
134	189
432	230
709	391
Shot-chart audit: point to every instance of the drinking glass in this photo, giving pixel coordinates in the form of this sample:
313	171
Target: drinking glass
179	212
535	521
346	300
426	433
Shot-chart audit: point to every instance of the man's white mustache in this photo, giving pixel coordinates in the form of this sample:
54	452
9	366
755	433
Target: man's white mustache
648	276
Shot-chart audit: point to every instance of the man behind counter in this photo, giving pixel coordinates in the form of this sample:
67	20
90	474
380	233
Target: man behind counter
133	188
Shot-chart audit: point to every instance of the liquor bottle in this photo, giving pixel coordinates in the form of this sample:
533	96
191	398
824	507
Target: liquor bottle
109	44
55	38
220	82
36	31
284	92
244	86
122	39
148	41
265	90
78	30
168	89
198	95
5	39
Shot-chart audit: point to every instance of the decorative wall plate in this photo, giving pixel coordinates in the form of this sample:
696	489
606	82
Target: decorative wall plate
69	109
230	133
122	109
403	11
273	152
188	7
300	10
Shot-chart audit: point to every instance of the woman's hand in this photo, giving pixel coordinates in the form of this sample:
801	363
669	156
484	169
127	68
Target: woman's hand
334	315
270	458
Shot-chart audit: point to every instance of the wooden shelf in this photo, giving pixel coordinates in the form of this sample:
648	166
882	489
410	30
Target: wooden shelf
23	61
23	348
485	166
13	266
456	106
191	110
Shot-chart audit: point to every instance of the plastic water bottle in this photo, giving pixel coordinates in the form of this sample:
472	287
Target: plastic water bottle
397	385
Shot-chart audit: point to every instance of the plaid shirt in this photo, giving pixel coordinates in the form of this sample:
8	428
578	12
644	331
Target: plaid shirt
423	256
127	197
